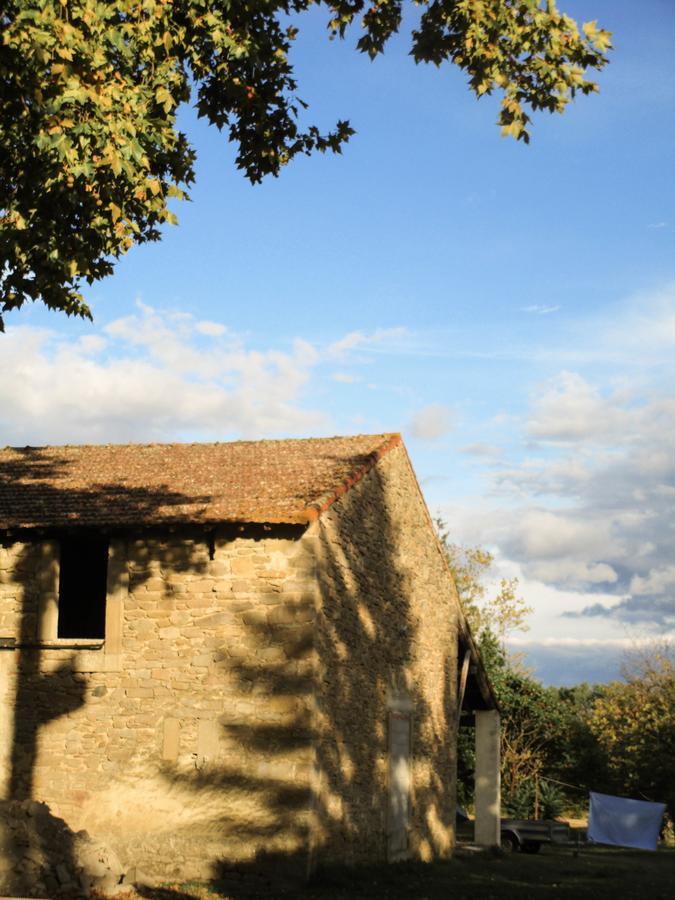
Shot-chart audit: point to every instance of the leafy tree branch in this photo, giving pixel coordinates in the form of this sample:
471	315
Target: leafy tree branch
90	154
501	613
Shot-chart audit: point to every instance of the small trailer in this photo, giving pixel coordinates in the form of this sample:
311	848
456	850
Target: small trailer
527	835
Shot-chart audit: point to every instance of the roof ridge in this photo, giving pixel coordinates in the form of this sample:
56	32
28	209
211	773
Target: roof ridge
321	504
257	441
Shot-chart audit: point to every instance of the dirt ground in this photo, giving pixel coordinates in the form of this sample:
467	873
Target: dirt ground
594	873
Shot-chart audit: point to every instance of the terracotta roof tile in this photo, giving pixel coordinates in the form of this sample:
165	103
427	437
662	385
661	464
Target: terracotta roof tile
289	481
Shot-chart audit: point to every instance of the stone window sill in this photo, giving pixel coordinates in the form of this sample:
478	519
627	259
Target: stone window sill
53	644
72	644
89	656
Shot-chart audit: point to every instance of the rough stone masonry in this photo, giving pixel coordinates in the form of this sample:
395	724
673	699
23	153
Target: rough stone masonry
238	707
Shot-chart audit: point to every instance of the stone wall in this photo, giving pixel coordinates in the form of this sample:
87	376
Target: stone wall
192	745
242	702
386	646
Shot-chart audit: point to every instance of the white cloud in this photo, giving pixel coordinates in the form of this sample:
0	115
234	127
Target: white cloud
432	422
348	342
608	514
380	340
624	643
345	377
150	376
655	613
573	572
657	581
543	535
485	452
539	309
164	375
92	343
212	329
570	409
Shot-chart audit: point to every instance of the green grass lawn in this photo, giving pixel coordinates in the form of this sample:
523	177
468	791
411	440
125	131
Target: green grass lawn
555	872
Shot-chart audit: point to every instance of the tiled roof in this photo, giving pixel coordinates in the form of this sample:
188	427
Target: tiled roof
289	481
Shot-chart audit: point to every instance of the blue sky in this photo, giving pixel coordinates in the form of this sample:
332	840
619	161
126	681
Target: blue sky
510	309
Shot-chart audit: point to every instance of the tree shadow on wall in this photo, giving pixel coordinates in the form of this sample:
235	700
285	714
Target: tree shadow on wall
369	650
46	686
364	633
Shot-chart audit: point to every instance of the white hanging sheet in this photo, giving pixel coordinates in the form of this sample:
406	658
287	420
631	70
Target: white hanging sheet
623	822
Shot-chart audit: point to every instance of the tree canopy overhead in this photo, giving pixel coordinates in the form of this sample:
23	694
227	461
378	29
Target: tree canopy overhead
89	150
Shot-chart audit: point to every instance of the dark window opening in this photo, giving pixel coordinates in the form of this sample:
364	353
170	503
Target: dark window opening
82	587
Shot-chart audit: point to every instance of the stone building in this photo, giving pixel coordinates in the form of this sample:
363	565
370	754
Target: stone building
225	653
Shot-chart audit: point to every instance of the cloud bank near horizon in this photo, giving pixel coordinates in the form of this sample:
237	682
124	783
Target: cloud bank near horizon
581	508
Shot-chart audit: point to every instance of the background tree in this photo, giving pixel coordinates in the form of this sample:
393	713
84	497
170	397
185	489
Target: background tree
532	716
502	612
89	150
533	728
579	761
634	724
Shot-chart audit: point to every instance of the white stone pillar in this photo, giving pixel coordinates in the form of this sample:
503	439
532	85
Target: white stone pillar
488	783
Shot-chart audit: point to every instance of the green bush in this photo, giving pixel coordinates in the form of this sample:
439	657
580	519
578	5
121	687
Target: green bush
522	804
551	800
